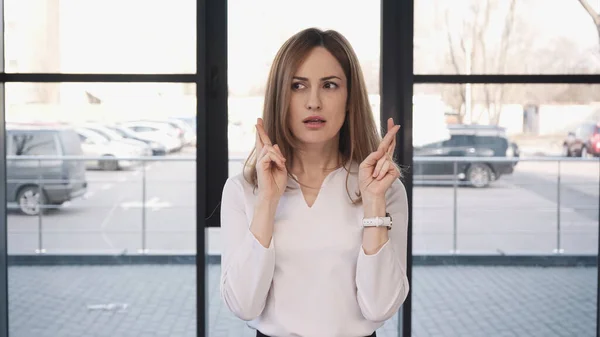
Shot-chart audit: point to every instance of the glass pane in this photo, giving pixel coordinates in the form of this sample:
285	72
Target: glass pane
505	37
107	190
509	184
249	65
134	36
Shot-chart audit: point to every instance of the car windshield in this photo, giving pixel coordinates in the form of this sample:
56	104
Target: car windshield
94	136
124	132
106	132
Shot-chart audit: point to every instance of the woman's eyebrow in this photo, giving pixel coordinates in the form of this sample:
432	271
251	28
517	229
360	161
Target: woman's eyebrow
322	79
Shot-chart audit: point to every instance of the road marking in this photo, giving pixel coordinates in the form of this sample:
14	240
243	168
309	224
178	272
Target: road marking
122	179
154	204
105	222
88	195
119	307
106	187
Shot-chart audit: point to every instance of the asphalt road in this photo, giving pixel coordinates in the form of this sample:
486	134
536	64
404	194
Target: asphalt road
516	215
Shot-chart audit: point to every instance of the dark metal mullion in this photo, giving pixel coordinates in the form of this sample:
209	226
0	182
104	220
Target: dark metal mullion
217	149
202	41
55	78
511	78
3	219
396	90
212	148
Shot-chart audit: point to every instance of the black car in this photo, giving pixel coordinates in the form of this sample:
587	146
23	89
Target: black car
466	141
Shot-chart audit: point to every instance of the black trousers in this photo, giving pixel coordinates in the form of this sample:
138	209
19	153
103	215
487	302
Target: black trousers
260	334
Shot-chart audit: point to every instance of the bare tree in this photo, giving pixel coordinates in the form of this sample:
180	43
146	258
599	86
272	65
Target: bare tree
480	56
595	16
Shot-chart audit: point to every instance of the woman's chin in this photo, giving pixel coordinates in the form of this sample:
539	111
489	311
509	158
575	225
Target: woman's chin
316	140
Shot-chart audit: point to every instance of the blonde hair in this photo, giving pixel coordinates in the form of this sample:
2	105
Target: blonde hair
358	136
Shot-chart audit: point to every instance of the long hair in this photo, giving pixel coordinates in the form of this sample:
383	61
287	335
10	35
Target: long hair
358	136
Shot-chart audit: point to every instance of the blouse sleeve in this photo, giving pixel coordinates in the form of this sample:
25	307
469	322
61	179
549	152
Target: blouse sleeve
246	265
382	284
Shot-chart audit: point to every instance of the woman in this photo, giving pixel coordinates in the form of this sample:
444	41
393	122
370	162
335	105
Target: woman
301	256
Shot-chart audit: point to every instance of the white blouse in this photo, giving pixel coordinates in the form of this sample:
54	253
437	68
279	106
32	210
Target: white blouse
314	279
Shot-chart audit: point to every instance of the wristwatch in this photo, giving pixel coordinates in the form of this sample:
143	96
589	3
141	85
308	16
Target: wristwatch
378	221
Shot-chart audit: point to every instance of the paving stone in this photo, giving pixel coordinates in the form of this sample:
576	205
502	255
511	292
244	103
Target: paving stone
160	300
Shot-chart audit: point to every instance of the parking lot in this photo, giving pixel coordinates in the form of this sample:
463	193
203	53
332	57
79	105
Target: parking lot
516	215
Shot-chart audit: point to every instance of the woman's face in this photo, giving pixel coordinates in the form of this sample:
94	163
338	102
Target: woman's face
318	98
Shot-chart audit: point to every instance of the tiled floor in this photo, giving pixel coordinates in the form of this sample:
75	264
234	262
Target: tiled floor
159	300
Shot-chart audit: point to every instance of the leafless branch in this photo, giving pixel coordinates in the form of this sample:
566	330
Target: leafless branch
595	16
456	67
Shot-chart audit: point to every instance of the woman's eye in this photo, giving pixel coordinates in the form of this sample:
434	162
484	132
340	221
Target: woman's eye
297	85
330	85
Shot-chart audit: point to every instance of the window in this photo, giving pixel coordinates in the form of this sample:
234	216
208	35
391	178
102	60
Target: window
504	37
249	62
530	202
117	204
99	37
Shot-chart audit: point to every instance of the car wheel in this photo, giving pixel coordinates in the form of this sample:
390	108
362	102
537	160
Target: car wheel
479	175
30	200
108	165
565	151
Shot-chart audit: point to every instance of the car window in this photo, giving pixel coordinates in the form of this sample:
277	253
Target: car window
433	145
143	128
122	133
34	143
106	132
459	140
491	142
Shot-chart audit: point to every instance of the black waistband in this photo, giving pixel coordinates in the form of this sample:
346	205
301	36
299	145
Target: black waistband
260	334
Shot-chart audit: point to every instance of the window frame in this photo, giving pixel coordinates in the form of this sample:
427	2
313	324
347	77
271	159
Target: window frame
397	79
211	95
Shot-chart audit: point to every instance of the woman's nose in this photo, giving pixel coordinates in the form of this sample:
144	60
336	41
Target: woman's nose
314	101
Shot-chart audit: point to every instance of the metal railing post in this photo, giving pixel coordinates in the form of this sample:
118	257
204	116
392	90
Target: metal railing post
144	249
40	202
558	248
455	210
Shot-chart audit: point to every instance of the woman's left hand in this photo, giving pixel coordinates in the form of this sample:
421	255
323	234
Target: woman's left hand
378	171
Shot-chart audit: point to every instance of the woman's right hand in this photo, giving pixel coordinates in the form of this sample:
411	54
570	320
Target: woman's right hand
270	166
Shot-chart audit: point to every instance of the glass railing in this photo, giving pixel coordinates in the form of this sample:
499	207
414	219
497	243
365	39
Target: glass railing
544	206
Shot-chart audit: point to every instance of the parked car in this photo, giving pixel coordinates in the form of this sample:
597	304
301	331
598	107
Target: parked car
467	141
153	129
157	144
58	180
190	120
115	155
188	127
183	130
583	142
116	137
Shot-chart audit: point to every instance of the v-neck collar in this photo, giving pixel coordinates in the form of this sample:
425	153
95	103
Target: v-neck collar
327	179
